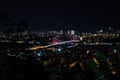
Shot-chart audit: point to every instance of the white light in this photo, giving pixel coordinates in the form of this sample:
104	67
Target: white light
101	30
38	54
72	32
81	38
115	50
59	50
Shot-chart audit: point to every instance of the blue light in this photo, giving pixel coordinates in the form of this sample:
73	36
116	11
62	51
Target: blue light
38	54
59	49
101	31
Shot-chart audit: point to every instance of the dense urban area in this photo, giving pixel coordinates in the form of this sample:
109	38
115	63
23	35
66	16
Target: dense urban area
60	55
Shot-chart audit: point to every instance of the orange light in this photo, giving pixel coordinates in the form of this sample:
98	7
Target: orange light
72	64
95	60
113	72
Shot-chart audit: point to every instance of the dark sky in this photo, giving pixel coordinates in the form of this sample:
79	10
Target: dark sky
50	15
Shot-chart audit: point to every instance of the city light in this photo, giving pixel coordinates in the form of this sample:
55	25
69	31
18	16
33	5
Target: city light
79	53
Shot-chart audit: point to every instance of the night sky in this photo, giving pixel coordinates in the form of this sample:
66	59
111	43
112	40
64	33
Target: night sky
56	15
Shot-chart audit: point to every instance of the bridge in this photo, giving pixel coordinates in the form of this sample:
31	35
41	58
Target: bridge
51	45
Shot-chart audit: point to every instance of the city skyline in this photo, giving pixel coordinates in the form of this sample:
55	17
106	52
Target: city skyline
59	40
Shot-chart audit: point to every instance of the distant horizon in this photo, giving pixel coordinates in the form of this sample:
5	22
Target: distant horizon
65	30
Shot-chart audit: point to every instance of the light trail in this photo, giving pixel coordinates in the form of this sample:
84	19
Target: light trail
46	46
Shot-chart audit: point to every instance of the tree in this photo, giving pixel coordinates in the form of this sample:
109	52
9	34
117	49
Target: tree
5	20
